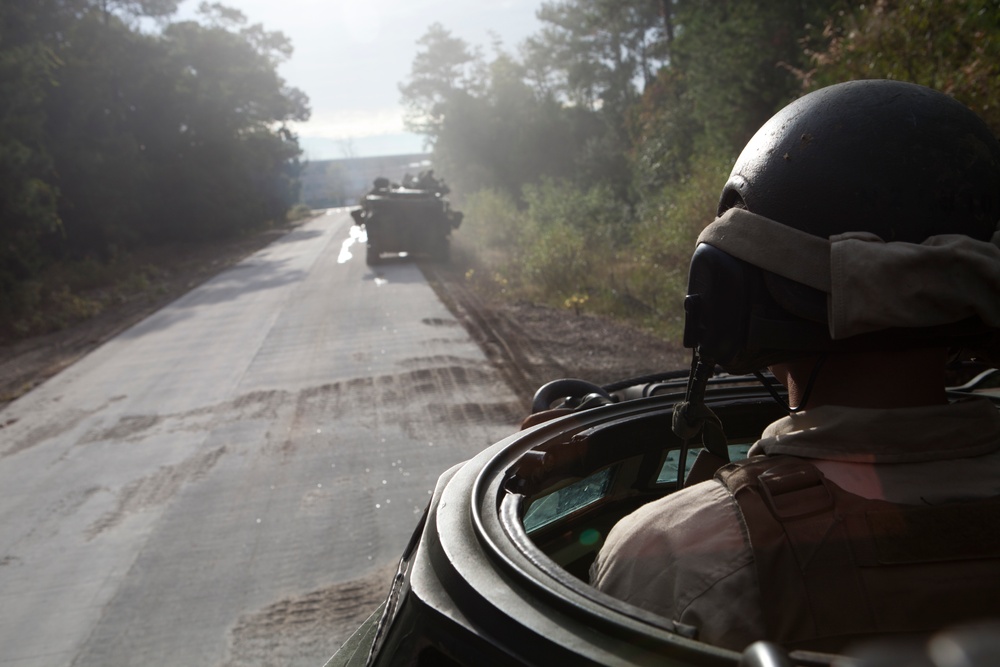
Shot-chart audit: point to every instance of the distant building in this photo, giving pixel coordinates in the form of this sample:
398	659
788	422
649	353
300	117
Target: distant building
331	183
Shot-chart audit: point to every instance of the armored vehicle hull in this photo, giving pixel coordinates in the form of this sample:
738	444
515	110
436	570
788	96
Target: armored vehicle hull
407	220
496	571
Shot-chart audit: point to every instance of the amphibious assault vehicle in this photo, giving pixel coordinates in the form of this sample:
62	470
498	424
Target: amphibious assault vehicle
496	571
413	218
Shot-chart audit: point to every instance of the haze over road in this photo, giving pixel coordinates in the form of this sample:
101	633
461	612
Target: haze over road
205	485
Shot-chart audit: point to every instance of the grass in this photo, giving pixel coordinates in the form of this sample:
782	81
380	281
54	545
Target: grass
68	292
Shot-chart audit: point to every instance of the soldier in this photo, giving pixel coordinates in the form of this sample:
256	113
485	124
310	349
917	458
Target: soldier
855	250
426	180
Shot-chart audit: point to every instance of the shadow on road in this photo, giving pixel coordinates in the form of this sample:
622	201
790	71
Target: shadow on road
252	275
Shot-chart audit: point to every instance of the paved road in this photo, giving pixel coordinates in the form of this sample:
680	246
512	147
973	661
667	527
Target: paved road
224	482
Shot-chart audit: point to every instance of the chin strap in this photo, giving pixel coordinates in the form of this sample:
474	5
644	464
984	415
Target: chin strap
692	417
805	394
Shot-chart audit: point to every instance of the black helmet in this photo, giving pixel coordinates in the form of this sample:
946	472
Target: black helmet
895	159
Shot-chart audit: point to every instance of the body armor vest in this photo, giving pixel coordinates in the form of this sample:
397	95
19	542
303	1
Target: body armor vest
834	567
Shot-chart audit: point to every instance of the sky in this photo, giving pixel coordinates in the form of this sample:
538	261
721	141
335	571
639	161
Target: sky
351	55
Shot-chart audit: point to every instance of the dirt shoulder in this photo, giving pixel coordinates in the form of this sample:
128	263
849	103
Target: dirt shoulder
531	344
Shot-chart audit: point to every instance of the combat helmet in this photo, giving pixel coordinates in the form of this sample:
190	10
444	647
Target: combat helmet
899	161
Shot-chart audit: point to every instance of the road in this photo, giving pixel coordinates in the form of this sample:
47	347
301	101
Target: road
230	481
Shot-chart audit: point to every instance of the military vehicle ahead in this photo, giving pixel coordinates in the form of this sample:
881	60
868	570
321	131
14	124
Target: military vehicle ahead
412	218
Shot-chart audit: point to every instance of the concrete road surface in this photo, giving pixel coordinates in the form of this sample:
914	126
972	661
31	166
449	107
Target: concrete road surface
225	482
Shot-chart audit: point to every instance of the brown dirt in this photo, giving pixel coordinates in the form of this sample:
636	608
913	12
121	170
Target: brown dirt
530	343
533	344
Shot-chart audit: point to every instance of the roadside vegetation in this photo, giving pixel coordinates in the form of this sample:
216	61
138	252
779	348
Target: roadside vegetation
127	139
587	161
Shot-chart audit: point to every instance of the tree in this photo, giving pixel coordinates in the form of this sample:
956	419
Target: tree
231	153
597	52
488	126
677	87
173	135
91	126
113	135
28	195
136	8
950	45
732	66
598	49
443	71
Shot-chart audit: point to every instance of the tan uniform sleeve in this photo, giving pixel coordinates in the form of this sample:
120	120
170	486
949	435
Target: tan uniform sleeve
686	558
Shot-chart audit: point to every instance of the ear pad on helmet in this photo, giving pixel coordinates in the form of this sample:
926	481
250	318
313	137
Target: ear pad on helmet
734	320
798	299
718	302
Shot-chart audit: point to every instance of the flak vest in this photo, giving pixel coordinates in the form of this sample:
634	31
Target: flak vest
834	568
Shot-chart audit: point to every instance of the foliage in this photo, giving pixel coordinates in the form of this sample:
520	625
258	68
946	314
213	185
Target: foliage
601	47
568	247
488	127
512	121
492	225
114	137
443	70
950	45
733	67
609	223
569	243
665	237
28	194
611	131
568	231
179	141
70	291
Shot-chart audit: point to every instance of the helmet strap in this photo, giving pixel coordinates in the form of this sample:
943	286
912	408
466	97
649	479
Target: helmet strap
692	417
769	385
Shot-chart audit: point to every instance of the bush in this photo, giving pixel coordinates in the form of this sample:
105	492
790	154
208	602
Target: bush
492	234
67	292
665	238
298	212
582	249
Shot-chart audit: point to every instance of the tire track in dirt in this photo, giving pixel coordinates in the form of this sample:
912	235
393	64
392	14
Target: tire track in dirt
303	629
55	427
433	381
532	344
154	490
501	339
356	396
